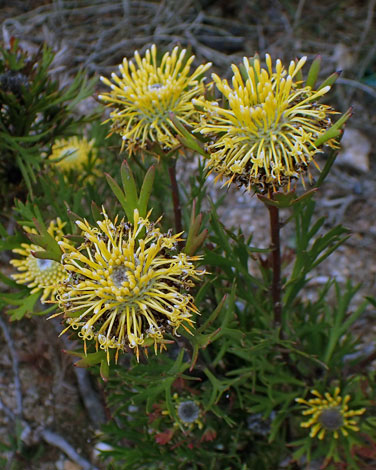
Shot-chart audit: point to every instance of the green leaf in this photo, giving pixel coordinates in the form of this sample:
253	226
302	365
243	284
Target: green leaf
146	190
104	370
330	80
284	200
90	359
129	187
313	72
195	239
120	197
328	165
335	130
25	304
218	388
46	241
95	211
186	138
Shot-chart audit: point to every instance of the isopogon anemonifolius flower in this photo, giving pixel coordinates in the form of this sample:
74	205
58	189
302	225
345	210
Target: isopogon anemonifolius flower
329	414
148	91
72	153
39	274
127	285
265	134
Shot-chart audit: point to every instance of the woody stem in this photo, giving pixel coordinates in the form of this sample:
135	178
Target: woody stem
276	263
175	197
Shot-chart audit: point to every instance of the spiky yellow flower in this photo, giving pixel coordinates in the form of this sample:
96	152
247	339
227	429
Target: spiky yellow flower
126	285
330	413
39	274
72	153
266	134
146	94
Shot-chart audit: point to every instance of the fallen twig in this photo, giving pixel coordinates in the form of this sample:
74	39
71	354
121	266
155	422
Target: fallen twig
58	441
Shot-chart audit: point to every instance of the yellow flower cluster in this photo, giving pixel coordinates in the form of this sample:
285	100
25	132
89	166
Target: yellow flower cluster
125	285
39	274
265	136
329	413
72	153
147	92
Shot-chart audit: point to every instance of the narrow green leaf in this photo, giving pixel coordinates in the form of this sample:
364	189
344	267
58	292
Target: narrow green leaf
212	316
197	243
328	165
146	190
95	211
330	80
91	359
186	138
120	196
104	370
313	72
331	133
129	186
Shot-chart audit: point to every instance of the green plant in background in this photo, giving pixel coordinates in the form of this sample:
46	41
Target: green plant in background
72	153
242	346
34	112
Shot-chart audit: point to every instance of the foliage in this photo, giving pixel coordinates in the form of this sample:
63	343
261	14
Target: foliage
34	112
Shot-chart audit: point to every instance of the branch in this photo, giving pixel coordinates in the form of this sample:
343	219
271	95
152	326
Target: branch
57	441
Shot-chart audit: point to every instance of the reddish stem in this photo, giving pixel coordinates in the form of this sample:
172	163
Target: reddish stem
276	263
175	198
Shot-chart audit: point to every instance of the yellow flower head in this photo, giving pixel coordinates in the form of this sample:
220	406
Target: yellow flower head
125	285
265	135
72	153
39	274
329	414
146	94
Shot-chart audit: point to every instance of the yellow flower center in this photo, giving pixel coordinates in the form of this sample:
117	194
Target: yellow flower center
120	276
45	264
